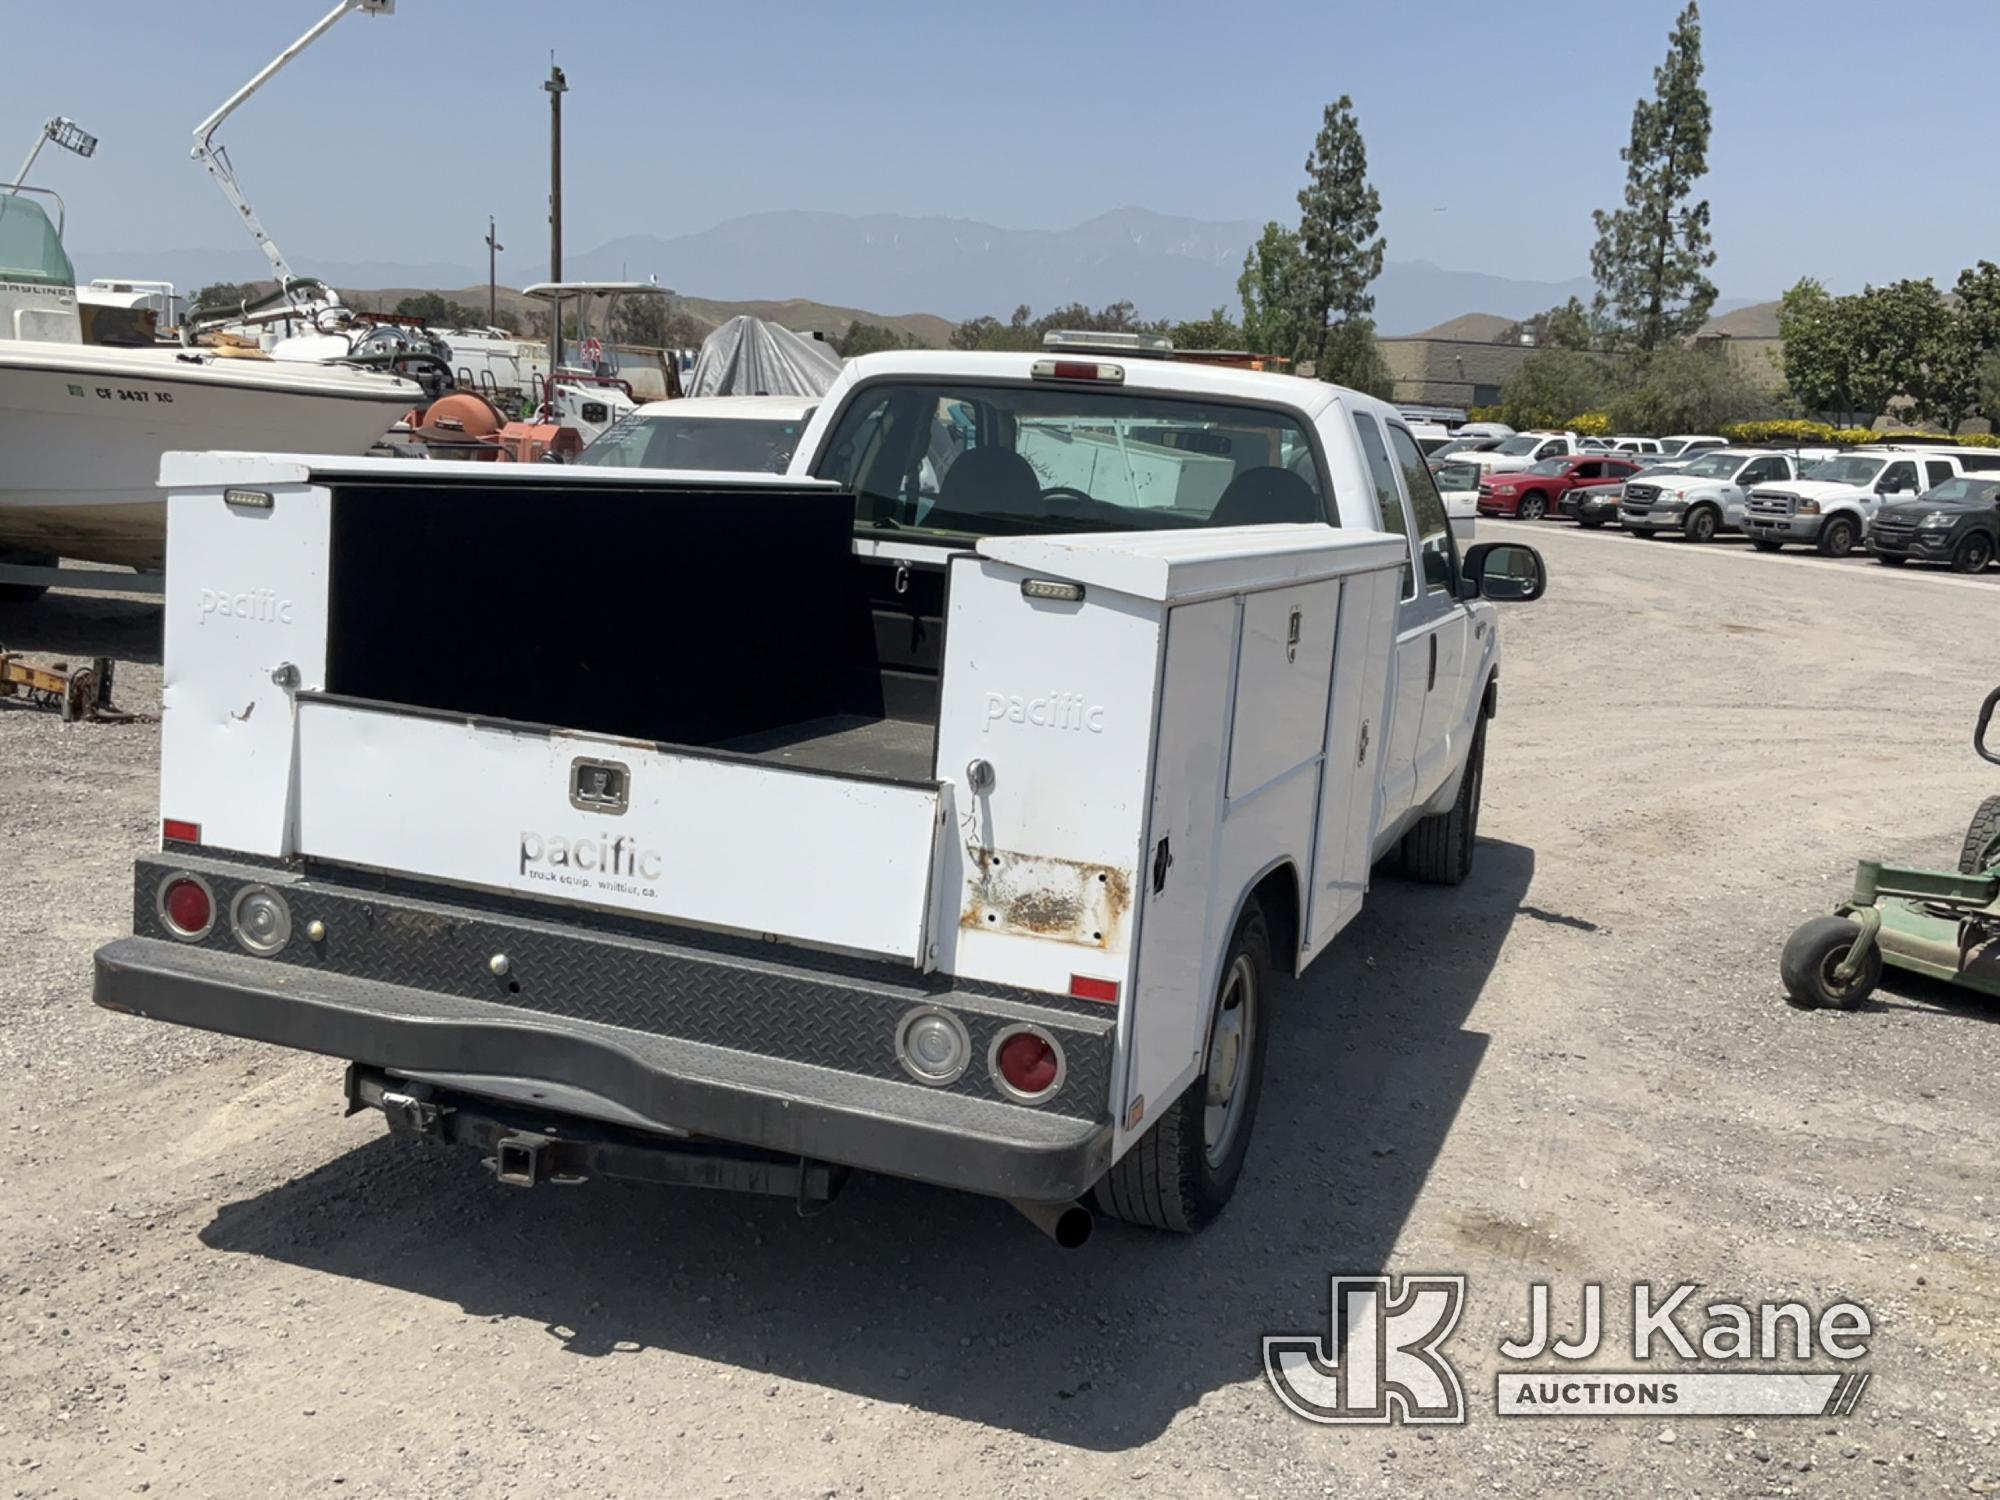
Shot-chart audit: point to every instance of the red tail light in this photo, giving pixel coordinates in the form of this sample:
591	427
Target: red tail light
186	906
1083	987
1027	1064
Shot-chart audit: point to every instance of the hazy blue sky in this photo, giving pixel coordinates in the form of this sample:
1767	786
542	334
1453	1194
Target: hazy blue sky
1851	142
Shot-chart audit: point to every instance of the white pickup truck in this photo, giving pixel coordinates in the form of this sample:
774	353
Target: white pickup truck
1832	504
1524	450
943	811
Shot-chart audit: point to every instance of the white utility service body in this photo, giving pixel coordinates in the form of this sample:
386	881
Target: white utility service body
697	925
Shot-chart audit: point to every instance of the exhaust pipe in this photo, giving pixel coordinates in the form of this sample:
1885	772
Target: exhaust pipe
1068	1224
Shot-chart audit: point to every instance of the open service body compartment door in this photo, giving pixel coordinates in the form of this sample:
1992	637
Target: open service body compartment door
712	840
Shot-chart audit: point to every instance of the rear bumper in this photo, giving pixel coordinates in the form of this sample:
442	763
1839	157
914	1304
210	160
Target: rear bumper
707	1043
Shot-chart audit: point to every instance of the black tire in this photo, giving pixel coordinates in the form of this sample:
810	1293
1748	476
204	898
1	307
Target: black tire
1973	554
1438	850
1534	505
1810	957
1890	559
1838	536
1701	524
1168	1180
1982	840
1764	544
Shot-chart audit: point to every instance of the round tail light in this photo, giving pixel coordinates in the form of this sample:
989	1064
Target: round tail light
186	906
932	1046
260	919
1026	1063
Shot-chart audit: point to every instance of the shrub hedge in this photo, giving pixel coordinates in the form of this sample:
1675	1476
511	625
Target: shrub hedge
1823	433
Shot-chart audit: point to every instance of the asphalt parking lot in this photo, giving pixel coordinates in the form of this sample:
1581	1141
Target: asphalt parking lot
1577	1067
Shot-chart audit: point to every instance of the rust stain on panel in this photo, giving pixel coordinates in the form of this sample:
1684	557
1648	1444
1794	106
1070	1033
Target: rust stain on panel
1044	896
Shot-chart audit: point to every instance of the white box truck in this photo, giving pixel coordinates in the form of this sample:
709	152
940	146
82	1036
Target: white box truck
910	814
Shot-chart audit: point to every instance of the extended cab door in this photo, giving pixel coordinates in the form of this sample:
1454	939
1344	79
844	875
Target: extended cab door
1414	644
1430	624
1446	720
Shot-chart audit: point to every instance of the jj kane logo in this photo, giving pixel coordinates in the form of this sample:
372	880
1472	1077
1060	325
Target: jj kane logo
1382	1359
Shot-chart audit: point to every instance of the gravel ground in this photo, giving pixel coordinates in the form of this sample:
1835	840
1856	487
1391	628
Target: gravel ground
1578	1066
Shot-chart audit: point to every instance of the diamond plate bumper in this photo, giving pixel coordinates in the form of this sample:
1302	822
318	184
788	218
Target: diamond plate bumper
789	1057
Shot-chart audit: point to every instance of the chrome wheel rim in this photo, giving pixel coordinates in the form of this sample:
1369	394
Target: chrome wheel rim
1230	1041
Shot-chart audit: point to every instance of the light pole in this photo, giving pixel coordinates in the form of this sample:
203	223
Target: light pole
557	86
493	249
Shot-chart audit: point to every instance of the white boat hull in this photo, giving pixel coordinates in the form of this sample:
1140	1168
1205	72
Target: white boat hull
82	429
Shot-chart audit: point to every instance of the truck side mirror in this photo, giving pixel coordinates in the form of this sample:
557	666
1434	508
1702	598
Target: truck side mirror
1503	571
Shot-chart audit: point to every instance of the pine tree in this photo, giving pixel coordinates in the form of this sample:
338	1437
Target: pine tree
1269	289
1340	252
1651	255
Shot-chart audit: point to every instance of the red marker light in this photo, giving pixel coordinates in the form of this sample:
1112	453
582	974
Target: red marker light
180	831
1083	987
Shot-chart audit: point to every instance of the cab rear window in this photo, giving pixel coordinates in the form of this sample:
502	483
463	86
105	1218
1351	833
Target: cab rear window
970	459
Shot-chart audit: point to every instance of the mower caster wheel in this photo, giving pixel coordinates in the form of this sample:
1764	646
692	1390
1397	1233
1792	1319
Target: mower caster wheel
1814	952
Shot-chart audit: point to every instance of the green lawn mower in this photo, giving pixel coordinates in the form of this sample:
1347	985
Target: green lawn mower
1944	924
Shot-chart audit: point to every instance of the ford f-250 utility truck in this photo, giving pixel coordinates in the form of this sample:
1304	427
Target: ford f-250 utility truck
942	811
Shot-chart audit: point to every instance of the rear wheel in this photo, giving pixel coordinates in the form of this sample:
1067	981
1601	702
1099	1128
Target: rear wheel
1982	840
1534	505
1438	850
1973	554
1184	1170
1838	536
1700	525
1812	955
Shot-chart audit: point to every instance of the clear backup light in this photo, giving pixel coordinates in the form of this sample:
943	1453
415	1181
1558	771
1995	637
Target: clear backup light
260	919
932	1045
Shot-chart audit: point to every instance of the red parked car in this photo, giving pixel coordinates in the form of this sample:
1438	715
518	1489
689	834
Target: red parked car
1534	493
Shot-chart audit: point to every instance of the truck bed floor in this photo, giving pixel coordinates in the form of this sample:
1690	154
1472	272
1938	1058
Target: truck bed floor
899	748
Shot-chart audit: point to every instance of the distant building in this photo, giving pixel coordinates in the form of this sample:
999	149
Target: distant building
1450	372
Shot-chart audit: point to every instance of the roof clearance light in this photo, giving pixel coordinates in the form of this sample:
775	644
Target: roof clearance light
1078	369
1051	588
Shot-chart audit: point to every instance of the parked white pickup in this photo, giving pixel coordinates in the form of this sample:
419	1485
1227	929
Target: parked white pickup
947	819
1832	504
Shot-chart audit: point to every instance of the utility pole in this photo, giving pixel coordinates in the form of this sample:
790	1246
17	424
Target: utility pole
557	86
493	249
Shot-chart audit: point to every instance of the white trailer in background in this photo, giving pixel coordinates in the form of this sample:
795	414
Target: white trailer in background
729	830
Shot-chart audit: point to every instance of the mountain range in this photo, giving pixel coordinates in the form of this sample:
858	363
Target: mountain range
1169	267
